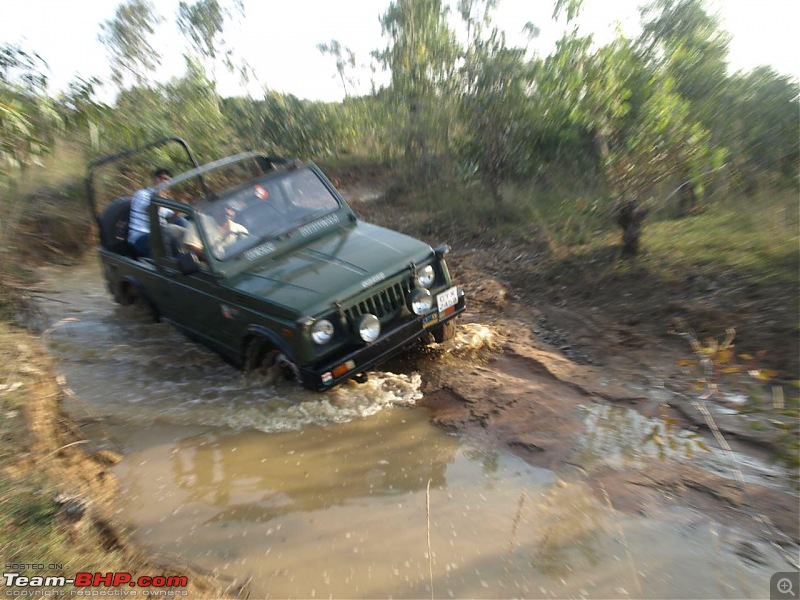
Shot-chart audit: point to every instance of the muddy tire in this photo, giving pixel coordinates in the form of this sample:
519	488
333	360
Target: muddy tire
444	332
114	227
262	359
129	294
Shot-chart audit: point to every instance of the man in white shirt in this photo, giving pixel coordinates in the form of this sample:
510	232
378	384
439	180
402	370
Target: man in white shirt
139	223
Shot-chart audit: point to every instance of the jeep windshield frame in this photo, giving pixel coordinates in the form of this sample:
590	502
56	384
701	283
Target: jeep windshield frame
265	210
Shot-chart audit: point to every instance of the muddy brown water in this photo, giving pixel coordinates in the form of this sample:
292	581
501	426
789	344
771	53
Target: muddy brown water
344	494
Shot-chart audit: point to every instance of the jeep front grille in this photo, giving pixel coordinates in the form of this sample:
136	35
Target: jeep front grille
383	304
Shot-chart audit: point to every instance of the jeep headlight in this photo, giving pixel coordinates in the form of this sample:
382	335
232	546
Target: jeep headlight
425	276
322	331
369	328
421	301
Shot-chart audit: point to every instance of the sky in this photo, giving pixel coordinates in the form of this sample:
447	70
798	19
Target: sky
279	38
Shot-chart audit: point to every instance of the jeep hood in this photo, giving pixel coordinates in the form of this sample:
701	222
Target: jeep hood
307	280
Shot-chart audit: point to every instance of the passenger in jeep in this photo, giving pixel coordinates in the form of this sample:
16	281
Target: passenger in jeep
221	231
139	223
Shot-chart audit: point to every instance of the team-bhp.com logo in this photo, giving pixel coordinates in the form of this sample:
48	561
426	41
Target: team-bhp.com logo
96	580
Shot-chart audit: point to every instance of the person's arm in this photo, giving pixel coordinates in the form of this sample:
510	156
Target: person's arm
192	242
239	230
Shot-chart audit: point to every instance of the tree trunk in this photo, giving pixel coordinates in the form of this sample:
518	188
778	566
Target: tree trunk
630	217
688	199
415	142
494	188
492	172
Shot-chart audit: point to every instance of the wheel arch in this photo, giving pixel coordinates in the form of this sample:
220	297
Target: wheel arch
129	286
256	332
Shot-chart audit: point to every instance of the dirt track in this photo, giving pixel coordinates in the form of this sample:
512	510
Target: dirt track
505	382
521	392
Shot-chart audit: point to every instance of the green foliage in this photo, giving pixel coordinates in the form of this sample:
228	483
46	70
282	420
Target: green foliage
28	529
476	15
643	129
760	125
28	127
185	106
494	104
203	23
28	121
127	38
686	42
78	108
636	118
334	48
730	237
421	55
571	7
284	124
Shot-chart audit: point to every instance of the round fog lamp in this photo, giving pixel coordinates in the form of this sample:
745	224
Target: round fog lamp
322	331
425	276
421	302
369	328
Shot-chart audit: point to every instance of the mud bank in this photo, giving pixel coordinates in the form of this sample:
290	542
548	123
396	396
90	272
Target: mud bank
518	390
44	453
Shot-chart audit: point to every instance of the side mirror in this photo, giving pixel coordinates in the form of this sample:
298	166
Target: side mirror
187	263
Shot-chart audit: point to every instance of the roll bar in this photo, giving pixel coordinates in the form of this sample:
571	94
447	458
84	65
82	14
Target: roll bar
96	164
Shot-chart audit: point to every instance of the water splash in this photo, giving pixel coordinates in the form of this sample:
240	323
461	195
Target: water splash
471	339
345	403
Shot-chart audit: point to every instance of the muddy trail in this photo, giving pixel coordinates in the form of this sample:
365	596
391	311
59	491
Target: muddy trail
491	466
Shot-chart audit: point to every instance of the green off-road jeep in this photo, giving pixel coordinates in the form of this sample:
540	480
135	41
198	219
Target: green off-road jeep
280	274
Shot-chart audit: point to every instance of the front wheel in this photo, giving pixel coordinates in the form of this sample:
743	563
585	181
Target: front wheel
263	359
129	294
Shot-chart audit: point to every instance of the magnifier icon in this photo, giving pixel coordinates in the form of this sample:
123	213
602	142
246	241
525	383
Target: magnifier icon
785	587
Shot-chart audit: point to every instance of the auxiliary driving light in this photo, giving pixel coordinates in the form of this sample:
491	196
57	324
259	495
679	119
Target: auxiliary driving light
426	276
369	328
421	301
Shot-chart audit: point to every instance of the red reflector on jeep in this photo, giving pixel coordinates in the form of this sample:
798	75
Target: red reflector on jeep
449	311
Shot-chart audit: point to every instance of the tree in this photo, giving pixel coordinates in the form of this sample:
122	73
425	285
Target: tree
476	15
762	127
127	39
644	131
680	38
28	122
28	127
203	23
494	105
78	106
664	141
421	55
334	48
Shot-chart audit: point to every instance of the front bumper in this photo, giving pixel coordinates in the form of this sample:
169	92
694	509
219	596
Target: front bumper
323	378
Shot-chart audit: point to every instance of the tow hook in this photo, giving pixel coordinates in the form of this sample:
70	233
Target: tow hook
361	378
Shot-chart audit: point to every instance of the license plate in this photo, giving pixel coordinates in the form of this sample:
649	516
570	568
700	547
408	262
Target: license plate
447	299
429	320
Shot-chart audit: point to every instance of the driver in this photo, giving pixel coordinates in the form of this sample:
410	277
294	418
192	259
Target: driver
220	229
